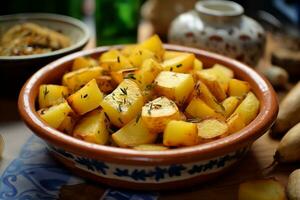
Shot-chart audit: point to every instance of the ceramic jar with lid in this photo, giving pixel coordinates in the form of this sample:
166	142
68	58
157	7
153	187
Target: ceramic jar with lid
221	27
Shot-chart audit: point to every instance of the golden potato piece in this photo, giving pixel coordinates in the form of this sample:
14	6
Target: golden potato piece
172	54
77	79
198	65
230	104
56	114
175	86
235	123
120	75
92	128
265	189
238	88
197	108
106	84
157	113
183	63
50	95
139	55
155	45
113	60
180	133
124	103
248	108
128	49
86	99
133	134
211	128
67	125
83	62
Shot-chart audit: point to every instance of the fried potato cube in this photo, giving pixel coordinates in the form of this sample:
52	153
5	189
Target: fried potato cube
235	123
265	189
197	108
155	45
238	88
202	91
56	114
50	95
230	104
133	134
248	108
83	62
182	63
128	49
213	83
198	65
106	84
180	133
222	72
151	147
139	55
124	103
86	99
113	60
175	86
172	54
157	113
120	75
148	72
67	125
77	79
92	128
211	128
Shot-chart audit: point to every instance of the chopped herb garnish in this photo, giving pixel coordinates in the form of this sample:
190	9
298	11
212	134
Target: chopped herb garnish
157	106
150	108
118	58
138	117
171	69
119	107
179	65
107	117
46	91
130	76
120	120
140	52
85	96
124	90
43	111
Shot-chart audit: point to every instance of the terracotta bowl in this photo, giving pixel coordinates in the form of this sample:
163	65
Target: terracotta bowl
134	169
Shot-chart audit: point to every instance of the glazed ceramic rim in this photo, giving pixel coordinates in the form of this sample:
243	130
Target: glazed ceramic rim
52	17
265	118
206	7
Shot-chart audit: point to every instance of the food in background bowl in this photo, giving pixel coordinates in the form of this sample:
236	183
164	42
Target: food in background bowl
30	38
144	95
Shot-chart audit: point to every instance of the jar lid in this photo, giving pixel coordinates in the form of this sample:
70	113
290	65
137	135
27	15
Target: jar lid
219	8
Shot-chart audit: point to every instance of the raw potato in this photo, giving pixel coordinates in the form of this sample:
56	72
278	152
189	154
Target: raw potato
175	86
151	147
83	62
197	108
213	83
248	108
67	125
289	110
92	128
211	128
202	91
182	63
293	186
289	146
235	123
50	95
86	99
230	104
113	60
77	79
180	133
157	113
155	45
238	88
124	103
139	55
146	75
133	134
56	114
265	189
277	76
